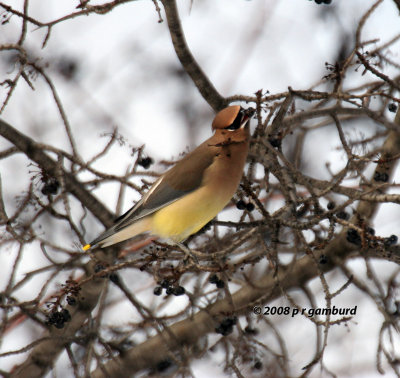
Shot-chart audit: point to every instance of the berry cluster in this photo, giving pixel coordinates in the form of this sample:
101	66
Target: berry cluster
340	214
226	326
218	282
71	291
391	240
71	300
241	205
59	318
354	237
112	276
383	177
50	187
169	289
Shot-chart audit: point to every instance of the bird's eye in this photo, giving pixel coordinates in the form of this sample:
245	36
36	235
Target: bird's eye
237	122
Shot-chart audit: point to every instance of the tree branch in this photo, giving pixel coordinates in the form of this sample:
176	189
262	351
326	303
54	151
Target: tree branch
29	147
203	84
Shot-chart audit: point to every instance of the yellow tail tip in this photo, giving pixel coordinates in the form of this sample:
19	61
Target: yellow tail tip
86	247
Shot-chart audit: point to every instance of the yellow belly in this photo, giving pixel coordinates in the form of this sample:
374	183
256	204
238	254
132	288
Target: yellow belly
186	216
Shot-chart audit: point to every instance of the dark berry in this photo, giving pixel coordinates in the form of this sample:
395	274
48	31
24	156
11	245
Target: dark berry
301	211
275	142
206	227
392	107
59	325
53	187
145	162
163	365
157	290
251	331
370	231
327	1
66	315
391	240
323	259
164	283
258	365
114	278
99	267
45	190
384	177
330	205
50	187
222	331
353	237
241	205
250	207
179	290
169	290
226	326
230	321
68	68
342	215
71	300
220	284
213	279
58	318
53	317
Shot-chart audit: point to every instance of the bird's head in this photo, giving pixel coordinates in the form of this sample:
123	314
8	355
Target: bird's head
231	124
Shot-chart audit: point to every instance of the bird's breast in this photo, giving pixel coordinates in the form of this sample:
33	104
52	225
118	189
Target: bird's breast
190	213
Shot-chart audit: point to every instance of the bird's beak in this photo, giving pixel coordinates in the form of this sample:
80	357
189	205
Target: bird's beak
247	115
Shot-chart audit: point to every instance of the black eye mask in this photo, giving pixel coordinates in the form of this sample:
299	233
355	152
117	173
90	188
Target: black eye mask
237	122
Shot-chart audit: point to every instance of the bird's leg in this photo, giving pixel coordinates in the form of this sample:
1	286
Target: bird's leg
188	252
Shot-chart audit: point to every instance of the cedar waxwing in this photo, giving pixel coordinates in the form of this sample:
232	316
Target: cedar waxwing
194	190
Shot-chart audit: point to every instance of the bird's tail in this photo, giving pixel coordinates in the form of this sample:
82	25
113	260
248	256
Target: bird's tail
111	236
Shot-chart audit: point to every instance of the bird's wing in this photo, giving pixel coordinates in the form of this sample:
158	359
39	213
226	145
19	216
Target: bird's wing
184	177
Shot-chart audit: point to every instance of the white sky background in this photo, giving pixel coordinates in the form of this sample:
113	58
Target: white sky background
128	77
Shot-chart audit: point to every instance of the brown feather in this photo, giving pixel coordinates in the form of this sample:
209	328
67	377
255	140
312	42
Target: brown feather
225	117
